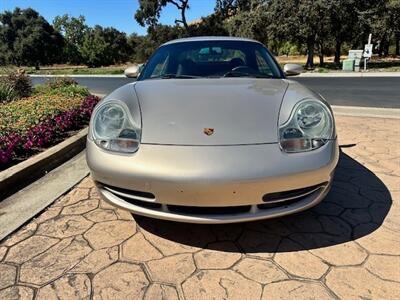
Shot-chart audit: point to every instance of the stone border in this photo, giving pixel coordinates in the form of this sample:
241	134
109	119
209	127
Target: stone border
19	176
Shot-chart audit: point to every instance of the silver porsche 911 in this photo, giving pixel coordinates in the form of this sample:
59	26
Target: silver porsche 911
212	132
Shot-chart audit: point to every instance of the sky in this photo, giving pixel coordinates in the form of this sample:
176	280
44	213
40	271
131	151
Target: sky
115	13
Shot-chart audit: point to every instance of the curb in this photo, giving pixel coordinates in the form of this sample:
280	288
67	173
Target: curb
26	172
353	74
370	112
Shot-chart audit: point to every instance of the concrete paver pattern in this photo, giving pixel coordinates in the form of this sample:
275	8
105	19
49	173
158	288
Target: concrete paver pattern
348	247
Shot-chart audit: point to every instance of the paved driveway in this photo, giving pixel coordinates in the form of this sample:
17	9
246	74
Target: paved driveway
347	247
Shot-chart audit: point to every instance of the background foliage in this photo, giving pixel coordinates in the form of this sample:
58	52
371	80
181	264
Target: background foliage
312	27
26	38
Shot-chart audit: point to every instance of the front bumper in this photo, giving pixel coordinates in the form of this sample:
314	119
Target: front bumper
211	184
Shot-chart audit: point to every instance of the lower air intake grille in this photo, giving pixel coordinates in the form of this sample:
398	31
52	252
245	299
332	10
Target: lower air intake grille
292	194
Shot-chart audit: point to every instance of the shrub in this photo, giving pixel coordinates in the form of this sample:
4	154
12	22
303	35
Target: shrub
19	116
19	82
73	91
59	82
7	92
61	86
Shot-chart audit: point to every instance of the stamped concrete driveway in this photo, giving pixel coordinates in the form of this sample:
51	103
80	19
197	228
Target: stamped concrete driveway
347	247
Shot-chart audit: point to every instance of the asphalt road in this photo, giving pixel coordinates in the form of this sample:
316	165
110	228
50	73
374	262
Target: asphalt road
356	91
381	92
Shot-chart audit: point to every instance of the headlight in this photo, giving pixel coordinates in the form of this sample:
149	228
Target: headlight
113	129
309	127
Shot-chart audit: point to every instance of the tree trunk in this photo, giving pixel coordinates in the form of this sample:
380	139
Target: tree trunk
37	66
310	53
183	14
386	49
398	44
338	48
182	5
381	48
321	54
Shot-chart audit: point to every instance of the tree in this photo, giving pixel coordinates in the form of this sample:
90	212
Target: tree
149	11
249	23
94	47
210	25
73	29
228	8
305	22
397	38
139	48
344	20
28	39
104	46
164	33
313	24
385	24
281	24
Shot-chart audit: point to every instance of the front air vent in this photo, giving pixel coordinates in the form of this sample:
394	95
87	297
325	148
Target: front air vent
130	194
292	194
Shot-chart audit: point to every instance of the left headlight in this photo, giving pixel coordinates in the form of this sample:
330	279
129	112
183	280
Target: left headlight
113	128
309	127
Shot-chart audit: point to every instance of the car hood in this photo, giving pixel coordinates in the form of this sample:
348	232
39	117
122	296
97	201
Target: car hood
236	111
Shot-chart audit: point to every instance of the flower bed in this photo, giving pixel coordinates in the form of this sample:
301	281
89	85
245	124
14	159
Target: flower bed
21	115
25	133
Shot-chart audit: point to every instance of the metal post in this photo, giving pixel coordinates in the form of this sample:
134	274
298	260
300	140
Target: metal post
365	64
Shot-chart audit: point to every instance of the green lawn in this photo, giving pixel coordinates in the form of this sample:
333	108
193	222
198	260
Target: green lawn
70	70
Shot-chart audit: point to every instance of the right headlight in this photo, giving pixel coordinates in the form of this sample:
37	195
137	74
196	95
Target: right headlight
309	127
113	128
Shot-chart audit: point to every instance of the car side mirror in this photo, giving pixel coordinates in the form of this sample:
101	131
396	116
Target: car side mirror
292	69
132	72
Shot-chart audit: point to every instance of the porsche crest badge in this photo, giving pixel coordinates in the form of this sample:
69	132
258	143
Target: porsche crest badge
208	131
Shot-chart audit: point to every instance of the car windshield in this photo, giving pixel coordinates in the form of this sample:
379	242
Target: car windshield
211	59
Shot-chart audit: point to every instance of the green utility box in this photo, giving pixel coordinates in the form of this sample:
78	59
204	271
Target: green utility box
348	65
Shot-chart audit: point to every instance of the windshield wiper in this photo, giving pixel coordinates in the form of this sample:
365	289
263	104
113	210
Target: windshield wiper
263	76
169	76
244	74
